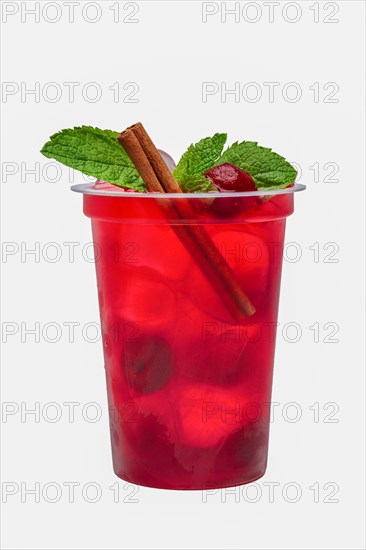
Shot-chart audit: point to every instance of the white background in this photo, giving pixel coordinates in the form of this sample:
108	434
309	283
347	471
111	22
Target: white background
169	53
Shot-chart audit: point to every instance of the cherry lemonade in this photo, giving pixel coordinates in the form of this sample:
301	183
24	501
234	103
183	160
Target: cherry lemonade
189	388
188	264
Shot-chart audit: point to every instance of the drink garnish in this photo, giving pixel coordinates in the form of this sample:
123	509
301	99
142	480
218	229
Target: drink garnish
97	153
227	177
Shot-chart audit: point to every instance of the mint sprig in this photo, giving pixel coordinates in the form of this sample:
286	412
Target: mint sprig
94	152
199	158
268	169
97	153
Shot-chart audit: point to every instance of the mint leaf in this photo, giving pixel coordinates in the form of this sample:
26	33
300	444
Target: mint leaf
198	159
199	184
95	153
268	169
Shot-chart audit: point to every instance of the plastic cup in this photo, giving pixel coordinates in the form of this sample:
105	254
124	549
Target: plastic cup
189	379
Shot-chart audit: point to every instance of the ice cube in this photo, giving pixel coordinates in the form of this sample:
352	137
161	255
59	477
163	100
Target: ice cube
152	246
215	347
247	255
207	414
145	298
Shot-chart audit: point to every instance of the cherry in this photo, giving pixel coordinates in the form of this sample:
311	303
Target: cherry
227	177
148	364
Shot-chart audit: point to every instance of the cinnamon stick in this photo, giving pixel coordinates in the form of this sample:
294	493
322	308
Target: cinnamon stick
166	178
157	178
133	148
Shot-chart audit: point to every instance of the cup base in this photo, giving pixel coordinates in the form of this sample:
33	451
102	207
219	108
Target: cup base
192	487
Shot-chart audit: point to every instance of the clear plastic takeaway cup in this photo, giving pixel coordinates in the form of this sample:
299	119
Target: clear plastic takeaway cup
189	370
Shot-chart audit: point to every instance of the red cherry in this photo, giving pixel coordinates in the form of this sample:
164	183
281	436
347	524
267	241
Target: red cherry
148	364
227	177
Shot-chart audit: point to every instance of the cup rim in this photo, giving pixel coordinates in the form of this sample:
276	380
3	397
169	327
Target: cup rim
88	189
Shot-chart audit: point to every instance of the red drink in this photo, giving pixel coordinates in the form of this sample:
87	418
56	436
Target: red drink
189	386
